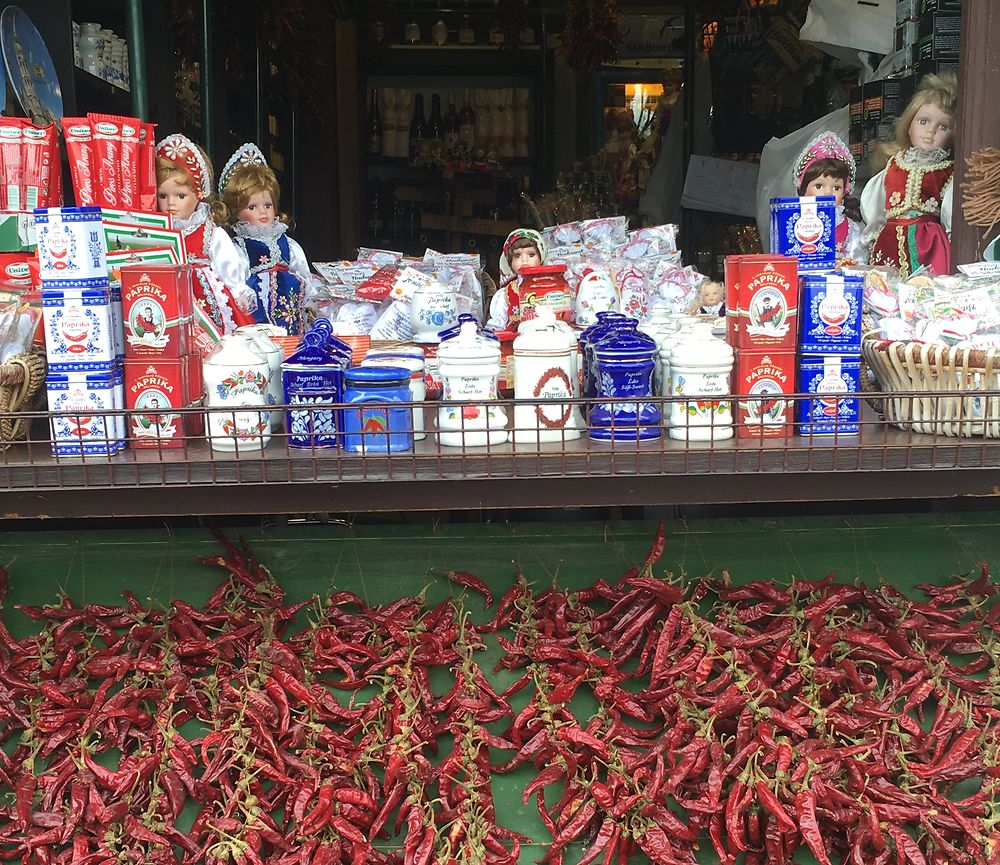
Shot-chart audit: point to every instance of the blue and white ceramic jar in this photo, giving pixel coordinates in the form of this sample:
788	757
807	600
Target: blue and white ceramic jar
624	367
312	381
374	419
606	322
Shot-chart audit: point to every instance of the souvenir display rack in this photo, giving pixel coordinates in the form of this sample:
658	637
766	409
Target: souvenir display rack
879	462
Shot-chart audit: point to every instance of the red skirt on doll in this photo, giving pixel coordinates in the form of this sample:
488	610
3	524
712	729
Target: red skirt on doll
908	243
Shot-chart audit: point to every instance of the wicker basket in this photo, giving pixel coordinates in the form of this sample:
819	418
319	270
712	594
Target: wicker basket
954	380
21	380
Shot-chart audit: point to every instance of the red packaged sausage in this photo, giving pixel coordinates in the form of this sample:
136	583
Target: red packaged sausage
11	137
147	166
128	189
107	133
79	150
50	190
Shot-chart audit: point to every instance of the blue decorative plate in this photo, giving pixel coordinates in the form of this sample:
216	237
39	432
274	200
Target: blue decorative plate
29	67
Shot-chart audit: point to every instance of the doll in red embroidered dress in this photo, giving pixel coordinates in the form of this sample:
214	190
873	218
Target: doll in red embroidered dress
908	205
184	190
826	167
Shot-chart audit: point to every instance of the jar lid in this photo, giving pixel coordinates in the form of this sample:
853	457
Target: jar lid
414	365
543	333
377	375
469	344
628	342
542	270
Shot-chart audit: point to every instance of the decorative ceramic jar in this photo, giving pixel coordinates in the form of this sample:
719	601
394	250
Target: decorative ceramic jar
374	420
605	322
668	336
544	286
433	308
418	387
624	363
596	293
261	335
701	368
470	367
236	381
544	369
313	386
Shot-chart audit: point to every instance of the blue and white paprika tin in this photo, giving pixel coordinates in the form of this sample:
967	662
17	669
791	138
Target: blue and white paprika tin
82	423
805	228
830	377
831	314
78	330
72	248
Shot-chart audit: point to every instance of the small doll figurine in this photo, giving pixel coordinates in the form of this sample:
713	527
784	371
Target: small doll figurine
711	300
184	190
523	247
826	167
278	266
908	204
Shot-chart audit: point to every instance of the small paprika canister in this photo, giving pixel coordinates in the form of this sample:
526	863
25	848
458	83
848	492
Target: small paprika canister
544	285
374	420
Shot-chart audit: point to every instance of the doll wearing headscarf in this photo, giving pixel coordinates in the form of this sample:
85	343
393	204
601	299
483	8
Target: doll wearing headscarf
184	190
278	266
826	167
523	247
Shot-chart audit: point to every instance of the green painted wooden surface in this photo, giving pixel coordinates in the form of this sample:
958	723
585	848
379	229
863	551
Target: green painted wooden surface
382	563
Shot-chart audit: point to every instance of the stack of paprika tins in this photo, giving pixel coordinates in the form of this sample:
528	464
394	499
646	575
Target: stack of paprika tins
762	325
83	333
163	370
830	361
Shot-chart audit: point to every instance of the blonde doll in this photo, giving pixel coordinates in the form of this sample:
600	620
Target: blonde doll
184	190
278	266
908	204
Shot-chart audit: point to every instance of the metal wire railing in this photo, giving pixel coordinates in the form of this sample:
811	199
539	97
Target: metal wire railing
324	443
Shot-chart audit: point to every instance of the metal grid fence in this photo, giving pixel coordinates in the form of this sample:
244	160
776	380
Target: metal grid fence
190	458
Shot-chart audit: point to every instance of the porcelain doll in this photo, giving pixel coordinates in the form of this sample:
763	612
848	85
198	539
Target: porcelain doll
826	167
278	267
184	190
710	300
523	247
908	205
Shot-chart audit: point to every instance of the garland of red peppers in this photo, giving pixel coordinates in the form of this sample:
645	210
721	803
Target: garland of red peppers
760	719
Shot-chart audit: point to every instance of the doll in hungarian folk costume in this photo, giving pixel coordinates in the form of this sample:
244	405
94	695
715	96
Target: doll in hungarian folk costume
184	190
523	247
908	205
826	167
278	267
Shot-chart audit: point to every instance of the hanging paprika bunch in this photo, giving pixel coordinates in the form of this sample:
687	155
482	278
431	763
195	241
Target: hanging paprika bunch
593	33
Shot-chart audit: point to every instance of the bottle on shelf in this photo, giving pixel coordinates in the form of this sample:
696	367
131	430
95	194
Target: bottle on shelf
467	125
374	127
375	210
450	128
418	128
496	35
466	33
435	128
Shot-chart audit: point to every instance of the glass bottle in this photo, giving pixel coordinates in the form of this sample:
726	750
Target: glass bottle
418	127
467	125
375	210
450	128
435	127
375	129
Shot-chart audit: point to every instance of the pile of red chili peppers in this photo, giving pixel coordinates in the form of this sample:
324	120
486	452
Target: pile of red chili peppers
757	719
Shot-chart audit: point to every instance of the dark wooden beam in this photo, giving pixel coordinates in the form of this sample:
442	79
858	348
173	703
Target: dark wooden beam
978	122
